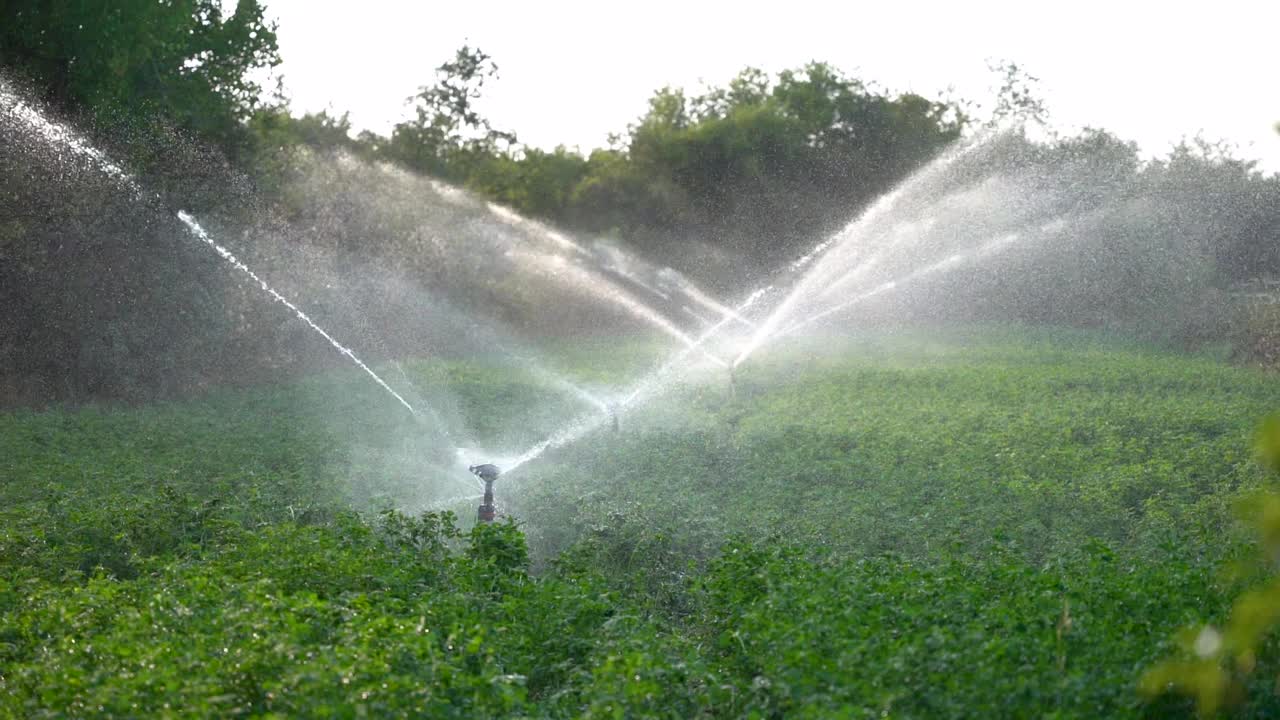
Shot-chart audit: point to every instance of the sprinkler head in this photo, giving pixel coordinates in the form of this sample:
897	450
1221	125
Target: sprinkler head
613	416
488	473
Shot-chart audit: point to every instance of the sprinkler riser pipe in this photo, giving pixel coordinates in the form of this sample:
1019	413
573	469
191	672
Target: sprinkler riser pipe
487	511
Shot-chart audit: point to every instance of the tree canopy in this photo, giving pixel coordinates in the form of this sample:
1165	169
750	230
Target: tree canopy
136	61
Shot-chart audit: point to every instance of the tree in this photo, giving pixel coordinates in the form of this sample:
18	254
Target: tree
131	62
762	165
534	182
101	300
447	132
1018	97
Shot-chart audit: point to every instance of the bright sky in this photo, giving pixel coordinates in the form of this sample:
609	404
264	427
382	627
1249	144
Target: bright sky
571	72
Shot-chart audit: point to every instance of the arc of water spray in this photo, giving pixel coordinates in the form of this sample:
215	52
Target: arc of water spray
563	384
435	417
881	253
516	220
202	236
606	289
649	383
775	318
694	314
824	255
582	427
63	136
199	232
765	332
836	261
865	265
940	266
710	303
767	329
441	504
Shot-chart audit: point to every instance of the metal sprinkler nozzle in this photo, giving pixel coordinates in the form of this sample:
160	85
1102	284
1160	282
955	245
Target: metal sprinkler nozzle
488	473
733	381
613	416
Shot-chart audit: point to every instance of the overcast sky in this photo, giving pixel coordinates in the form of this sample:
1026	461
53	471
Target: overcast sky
572	72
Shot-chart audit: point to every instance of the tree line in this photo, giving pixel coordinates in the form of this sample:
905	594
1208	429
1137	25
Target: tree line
757	169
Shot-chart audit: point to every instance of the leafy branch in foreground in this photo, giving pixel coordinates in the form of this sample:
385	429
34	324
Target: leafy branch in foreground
1218	664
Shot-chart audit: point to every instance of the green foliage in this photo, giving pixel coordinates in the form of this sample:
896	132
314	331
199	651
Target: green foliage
536	182
168	88
133	61
279	140
200	558
498	550
762	165
758	165
991	636
447	134
913	442
1219	667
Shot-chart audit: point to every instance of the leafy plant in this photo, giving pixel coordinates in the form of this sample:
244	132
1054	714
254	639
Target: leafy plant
1220	664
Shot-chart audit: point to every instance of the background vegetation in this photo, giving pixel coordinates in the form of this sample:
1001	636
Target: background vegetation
728	184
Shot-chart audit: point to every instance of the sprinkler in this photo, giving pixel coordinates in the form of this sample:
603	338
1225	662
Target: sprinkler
487	473
733	382
613	415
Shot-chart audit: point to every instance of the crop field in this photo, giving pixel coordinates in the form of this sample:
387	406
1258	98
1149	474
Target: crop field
969	523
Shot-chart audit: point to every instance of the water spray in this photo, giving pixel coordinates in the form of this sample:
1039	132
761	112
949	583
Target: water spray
941	266
646	388
200	234
607	289
488	473
829	258
62	136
